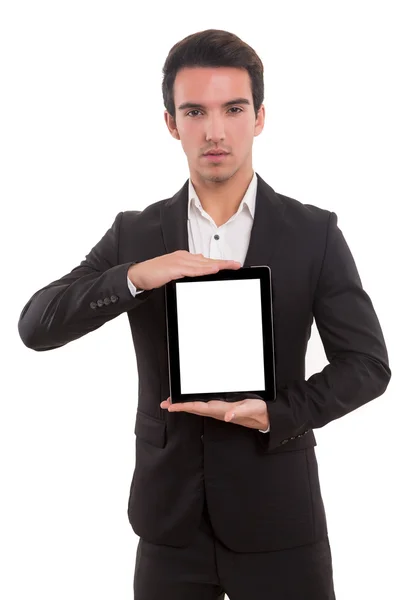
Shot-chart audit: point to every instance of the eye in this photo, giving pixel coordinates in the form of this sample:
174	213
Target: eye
231	108
192	111
236	108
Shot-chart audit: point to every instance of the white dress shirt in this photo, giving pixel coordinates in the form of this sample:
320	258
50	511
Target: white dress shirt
230	241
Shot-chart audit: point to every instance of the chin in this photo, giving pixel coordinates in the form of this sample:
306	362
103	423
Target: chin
216	176
216	173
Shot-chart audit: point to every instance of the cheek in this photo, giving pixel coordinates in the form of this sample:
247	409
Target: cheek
189	139
246	132
187	143
241	132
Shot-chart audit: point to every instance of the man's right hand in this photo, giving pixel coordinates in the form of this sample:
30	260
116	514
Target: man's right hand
158	271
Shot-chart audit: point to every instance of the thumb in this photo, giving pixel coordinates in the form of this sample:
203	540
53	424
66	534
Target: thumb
229	417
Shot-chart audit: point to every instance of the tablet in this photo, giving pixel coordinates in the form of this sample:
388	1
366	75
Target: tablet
220	335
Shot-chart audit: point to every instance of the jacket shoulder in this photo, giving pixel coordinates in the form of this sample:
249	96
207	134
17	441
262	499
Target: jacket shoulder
152	210
308	214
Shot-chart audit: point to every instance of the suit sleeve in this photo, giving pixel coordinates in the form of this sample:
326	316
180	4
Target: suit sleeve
81	301
358	369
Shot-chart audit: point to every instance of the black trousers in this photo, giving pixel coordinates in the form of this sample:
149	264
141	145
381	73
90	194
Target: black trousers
207	570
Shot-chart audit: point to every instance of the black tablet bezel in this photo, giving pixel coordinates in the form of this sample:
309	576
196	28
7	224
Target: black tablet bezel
263	273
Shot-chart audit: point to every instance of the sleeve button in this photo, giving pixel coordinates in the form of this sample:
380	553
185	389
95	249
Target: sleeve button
93	305
114	298
107	301
99	302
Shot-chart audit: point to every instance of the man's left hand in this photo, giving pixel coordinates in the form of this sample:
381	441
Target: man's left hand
250	412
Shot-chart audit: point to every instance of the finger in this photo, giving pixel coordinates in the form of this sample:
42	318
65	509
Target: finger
214	262
198	408
229	417
205	259
187	406
166	403
227	264
208	268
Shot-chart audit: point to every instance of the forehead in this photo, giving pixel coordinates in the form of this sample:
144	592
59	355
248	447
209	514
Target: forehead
211	85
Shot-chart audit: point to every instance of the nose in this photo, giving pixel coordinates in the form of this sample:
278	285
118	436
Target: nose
215	131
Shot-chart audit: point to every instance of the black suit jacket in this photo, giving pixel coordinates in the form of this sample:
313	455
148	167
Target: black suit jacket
263	490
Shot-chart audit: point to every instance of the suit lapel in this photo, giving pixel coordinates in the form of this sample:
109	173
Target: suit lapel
265	233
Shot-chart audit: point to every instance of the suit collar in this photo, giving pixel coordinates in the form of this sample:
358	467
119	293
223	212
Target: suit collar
265	233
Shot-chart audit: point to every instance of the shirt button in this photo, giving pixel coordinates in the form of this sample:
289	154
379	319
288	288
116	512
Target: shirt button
216	237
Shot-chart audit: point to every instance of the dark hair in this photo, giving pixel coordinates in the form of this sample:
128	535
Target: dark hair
212	48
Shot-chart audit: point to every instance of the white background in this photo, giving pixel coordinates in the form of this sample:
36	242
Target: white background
82	138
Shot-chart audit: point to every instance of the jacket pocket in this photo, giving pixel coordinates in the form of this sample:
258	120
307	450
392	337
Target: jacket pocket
150	429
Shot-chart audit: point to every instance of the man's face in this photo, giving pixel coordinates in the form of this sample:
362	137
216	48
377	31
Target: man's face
211	125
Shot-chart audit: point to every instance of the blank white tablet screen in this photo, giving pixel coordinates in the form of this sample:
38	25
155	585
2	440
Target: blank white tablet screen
220	336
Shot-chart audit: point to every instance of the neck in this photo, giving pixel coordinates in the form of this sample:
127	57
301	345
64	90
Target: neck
221	199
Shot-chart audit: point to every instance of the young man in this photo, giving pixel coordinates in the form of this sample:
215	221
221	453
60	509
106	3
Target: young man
225	496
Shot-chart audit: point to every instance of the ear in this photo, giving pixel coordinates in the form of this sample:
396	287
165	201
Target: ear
171	124
260	121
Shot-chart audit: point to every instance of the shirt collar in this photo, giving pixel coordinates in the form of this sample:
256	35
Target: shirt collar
249	199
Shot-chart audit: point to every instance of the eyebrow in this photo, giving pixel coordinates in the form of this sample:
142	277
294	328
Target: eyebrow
186	105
